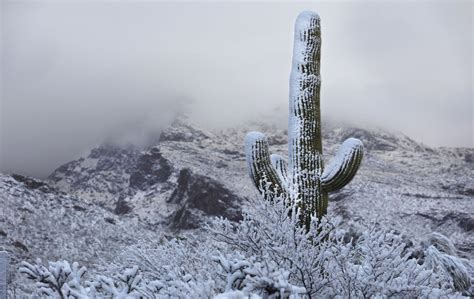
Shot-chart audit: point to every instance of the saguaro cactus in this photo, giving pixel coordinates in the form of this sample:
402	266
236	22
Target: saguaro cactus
306	182
4	262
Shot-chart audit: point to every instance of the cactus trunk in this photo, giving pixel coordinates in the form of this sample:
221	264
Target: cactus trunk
306	183
304	125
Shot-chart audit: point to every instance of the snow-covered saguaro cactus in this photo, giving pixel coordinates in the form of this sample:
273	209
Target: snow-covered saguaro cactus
306	182
4	262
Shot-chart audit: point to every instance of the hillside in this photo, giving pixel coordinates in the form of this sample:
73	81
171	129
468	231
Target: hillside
91	208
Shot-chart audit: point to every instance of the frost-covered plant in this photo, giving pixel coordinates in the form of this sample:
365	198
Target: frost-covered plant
265	255
320	261
306	182
268	255
379	264
179	268
211	265
60	280
57	279
269	235
442	254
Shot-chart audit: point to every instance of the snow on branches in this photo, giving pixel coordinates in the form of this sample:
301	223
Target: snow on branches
264	256
60	280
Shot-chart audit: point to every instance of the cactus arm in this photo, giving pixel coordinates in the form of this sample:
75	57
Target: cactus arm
304	126
261	171
280	165
344	166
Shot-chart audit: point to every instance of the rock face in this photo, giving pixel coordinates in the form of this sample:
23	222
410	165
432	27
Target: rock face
32	183
151	168
198	195
102	176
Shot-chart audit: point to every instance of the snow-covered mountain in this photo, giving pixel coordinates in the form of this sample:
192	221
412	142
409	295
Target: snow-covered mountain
91	208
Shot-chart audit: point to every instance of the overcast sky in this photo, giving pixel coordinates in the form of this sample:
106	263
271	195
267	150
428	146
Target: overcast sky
75	74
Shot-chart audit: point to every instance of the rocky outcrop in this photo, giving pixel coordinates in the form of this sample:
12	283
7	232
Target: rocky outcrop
101	176
32	183
377	140
198	196
121	207
151	168
181	131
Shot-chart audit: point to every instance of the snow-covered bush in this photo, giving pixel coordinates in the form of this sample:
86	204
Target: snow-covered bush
60	280
442	254
378	263
265	255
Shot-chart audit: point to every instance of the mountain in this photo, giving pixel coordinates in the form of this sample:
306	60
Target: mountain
91	208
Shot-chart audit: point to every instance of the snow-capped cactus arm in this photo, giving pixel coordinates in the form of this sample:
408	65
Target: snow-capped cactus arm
261	171
343	166
280	165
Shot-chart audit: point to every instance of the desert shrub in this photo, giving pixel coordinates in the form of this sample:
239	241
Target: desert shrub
265	255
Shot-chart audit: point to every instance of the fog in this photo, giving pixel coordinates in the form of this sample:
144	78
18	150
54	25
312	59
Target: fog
76	74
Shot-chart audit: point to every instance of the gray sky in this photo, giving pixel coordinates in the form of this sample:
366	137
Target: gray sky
77	73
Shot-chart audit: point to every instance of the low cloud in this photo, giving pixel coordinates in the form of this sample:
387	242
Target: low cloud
76	74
